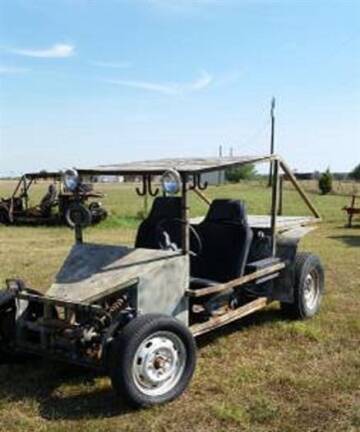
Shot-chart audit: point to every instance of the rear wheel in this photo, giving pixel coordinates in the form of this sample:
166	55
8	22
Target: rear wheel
308	288
153	360
98	213
4	216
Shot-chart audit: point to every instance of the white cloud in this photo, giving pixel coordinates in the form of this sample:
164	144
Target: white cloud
55	51
169	88
113	65
203	81
10	70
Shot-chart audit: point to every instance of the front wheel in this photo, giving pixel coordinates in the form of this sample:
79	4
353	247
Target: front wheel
308	288
152	361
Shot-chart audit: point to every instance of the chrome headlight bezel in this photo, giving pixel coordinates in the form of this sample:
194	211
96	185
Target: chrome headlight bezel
171	182
71	179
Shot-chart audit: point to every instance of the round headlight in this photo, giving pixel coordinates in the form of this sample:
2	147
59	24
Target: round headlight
71	179
171	182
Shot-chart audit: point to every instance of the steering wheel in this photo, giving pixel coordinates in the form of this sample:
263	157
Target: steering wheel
165	242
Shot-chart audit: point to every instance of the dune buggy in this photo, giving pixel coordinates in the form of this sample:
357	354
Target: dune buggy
57	205
134	312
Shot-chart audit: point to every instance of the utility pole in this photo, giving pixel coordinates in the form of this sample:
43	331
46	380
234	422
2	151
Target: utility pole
220	157
272	139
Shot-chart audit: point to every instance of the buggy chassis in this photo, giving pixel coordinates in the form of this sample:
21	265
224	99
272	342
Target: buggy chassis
134	312
17	210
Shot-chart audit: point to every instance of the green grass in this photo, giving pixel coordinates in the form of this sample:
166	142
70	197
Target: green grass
259	374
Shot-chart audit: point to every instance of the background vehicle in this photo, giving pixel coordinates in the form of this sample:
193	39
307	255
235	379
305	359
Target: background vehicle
135	312
57	205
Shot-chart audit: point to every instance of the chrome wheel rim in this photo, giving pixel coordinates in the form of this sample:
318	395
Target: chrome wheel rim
159	363
311	289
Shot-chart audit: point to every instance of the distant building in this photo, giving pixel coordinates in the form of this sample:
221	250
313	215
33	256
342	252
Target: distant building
107	179
214	178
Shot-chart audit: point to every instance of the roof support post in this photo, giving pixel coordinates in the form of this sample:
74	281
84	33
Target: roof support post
27	185
18	186
295	183
202	196
185	233
272	139
281	195
274	203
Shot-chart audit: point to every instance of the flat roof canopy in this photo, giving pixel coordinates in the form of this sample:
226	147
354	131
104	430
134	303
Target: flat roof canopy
43	175
182	165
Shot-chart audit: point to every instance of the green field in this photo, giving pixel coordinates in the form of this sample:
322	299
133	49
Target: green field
259	374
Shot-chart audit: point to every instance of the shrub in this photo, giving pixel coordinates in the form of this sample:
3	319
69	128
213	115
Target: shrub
325	182
243	172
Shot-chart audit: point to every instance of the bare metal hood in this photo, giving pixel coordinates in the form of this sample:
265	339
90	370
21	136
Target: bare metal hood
93	270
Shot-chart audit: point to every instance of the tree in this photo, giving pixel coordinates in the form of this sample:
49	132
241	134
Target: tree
325	182
242	172
355	173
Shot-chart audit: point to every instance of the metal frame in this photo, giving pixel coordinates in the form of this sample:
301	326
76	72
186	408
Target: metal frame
27	180
190	181
147	170
68	309
213	289
228	317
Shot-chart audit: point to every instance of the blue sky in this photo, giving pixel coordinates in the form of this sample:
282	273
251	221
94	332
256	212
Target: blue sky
84	82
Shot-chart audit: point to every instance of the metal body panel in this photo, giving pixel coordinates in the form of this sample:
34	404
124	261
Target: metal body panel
92	271
282	288
162	288
297	233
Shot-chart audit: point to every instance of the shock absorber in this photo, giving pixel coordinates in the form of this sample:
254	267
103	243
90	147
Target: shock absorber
120	304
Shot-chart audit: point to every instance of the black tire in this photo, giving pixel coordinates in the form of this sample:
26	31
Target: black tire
308	270
93	206
78	214
98	213
4	216
7	325
122	365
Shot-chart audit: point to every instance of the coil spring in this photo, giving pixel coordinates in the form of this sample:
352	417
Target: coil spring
118	305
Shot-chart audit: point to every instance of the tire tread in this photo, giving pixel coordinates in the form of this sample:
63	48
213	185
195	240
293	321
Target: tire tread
120	358
296	310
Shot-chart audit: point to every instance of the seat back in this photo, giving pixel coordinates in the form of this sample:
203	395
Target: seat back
48	200
165	214
226	238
